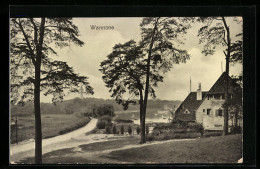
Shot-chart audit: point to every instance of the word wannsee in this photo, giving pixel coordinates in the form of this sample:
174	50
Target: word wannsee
95	27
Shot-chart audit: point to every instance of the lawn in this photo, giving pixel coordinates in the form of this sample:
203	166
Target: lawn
52	124
221	149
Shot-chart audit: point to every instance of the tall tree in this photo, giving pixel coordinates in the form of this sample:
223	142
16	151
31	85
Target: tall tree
217	32
142	65
32	71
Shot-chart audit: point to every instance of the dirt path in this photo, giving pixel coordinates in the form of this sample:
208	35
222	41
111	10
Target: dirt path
50	144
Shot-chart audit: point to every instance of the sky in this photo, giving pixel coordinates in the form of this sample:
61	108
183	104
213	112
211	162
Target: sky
176	86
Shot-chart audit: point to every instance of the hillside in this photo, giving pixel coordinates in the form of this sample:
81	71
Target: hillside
84	105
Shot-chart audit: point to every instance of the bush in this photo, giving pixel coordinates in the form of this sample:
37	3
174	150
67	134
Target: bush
170	135
138	130
236	130
123	121
101	124
147	129
108	129
106	118
122	129
196	127
77	126
213	133
129	129
114	129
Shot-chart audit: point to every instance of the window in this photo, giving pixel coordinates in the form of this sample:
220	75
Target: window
186	111
217	125
219	113
208	111
203	110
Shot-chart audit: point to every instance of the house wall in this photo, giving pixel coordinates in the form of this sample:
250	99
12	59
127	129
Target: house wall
210	122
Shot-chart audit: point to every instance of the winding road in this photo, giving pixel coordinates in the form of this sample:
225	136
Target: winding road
26	148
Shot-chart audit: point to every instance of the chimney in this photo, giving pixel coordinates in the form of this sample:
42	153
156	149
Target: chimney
199	93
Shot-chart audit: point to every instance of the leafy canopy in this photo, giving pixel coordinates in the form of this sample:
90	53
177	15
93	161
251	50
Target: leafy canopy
124	70
56	76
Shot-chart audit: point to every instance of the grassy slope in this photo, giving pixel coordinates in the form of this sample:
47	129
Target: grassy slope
221	149
51	125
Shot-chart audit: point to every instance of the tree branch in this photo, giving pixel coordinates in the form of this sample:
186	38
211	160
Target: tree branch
27	41
35	32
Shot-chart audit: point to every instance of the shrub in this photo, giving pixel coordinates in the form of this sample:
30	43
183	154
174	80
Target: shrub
147	129
236	130
108	129
77	126
129	129
170	135
122	129
123	121
138	130
212	133
197	127
114	129
101	124
106	118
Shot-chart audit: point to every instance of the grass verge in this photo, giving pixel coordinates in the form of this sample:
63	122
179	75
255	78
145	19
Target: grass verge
222	149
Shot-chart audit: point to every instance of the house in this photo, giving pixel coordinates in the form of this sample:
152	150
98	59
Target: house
205	107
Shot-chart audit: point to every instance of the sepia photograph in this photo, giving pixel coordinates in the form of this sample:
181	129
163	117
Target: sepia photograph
126	90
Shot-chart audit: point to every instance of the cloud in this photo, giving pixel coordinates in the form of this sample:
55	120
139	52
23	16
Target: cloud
98	44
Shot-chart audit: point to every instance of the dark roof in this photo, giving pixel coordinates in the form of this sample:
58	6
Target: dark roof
220	85
190	103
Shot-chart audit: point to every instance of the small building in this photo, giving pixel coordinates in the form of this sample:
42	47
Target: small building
205	107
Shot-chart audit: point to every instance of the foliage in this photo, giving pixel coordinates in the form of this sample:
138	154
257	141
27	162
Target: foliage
123	121
77	126
108	129
178	127
101	124
138	130
106	118
122	129
236	130
30	37
147	129
32	71
171	135
217	32
198	127
105	110
212	133
138	68
114	129
129	130
237	50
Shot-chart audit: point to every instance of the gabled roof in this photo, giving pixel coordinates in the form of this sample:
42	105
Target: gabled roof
190	103
220	85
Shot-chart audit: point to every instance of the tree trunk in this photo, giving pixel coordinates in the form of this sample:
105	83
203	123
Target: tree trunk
236	116
37	106
225	131
142	121
147	82
37	111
